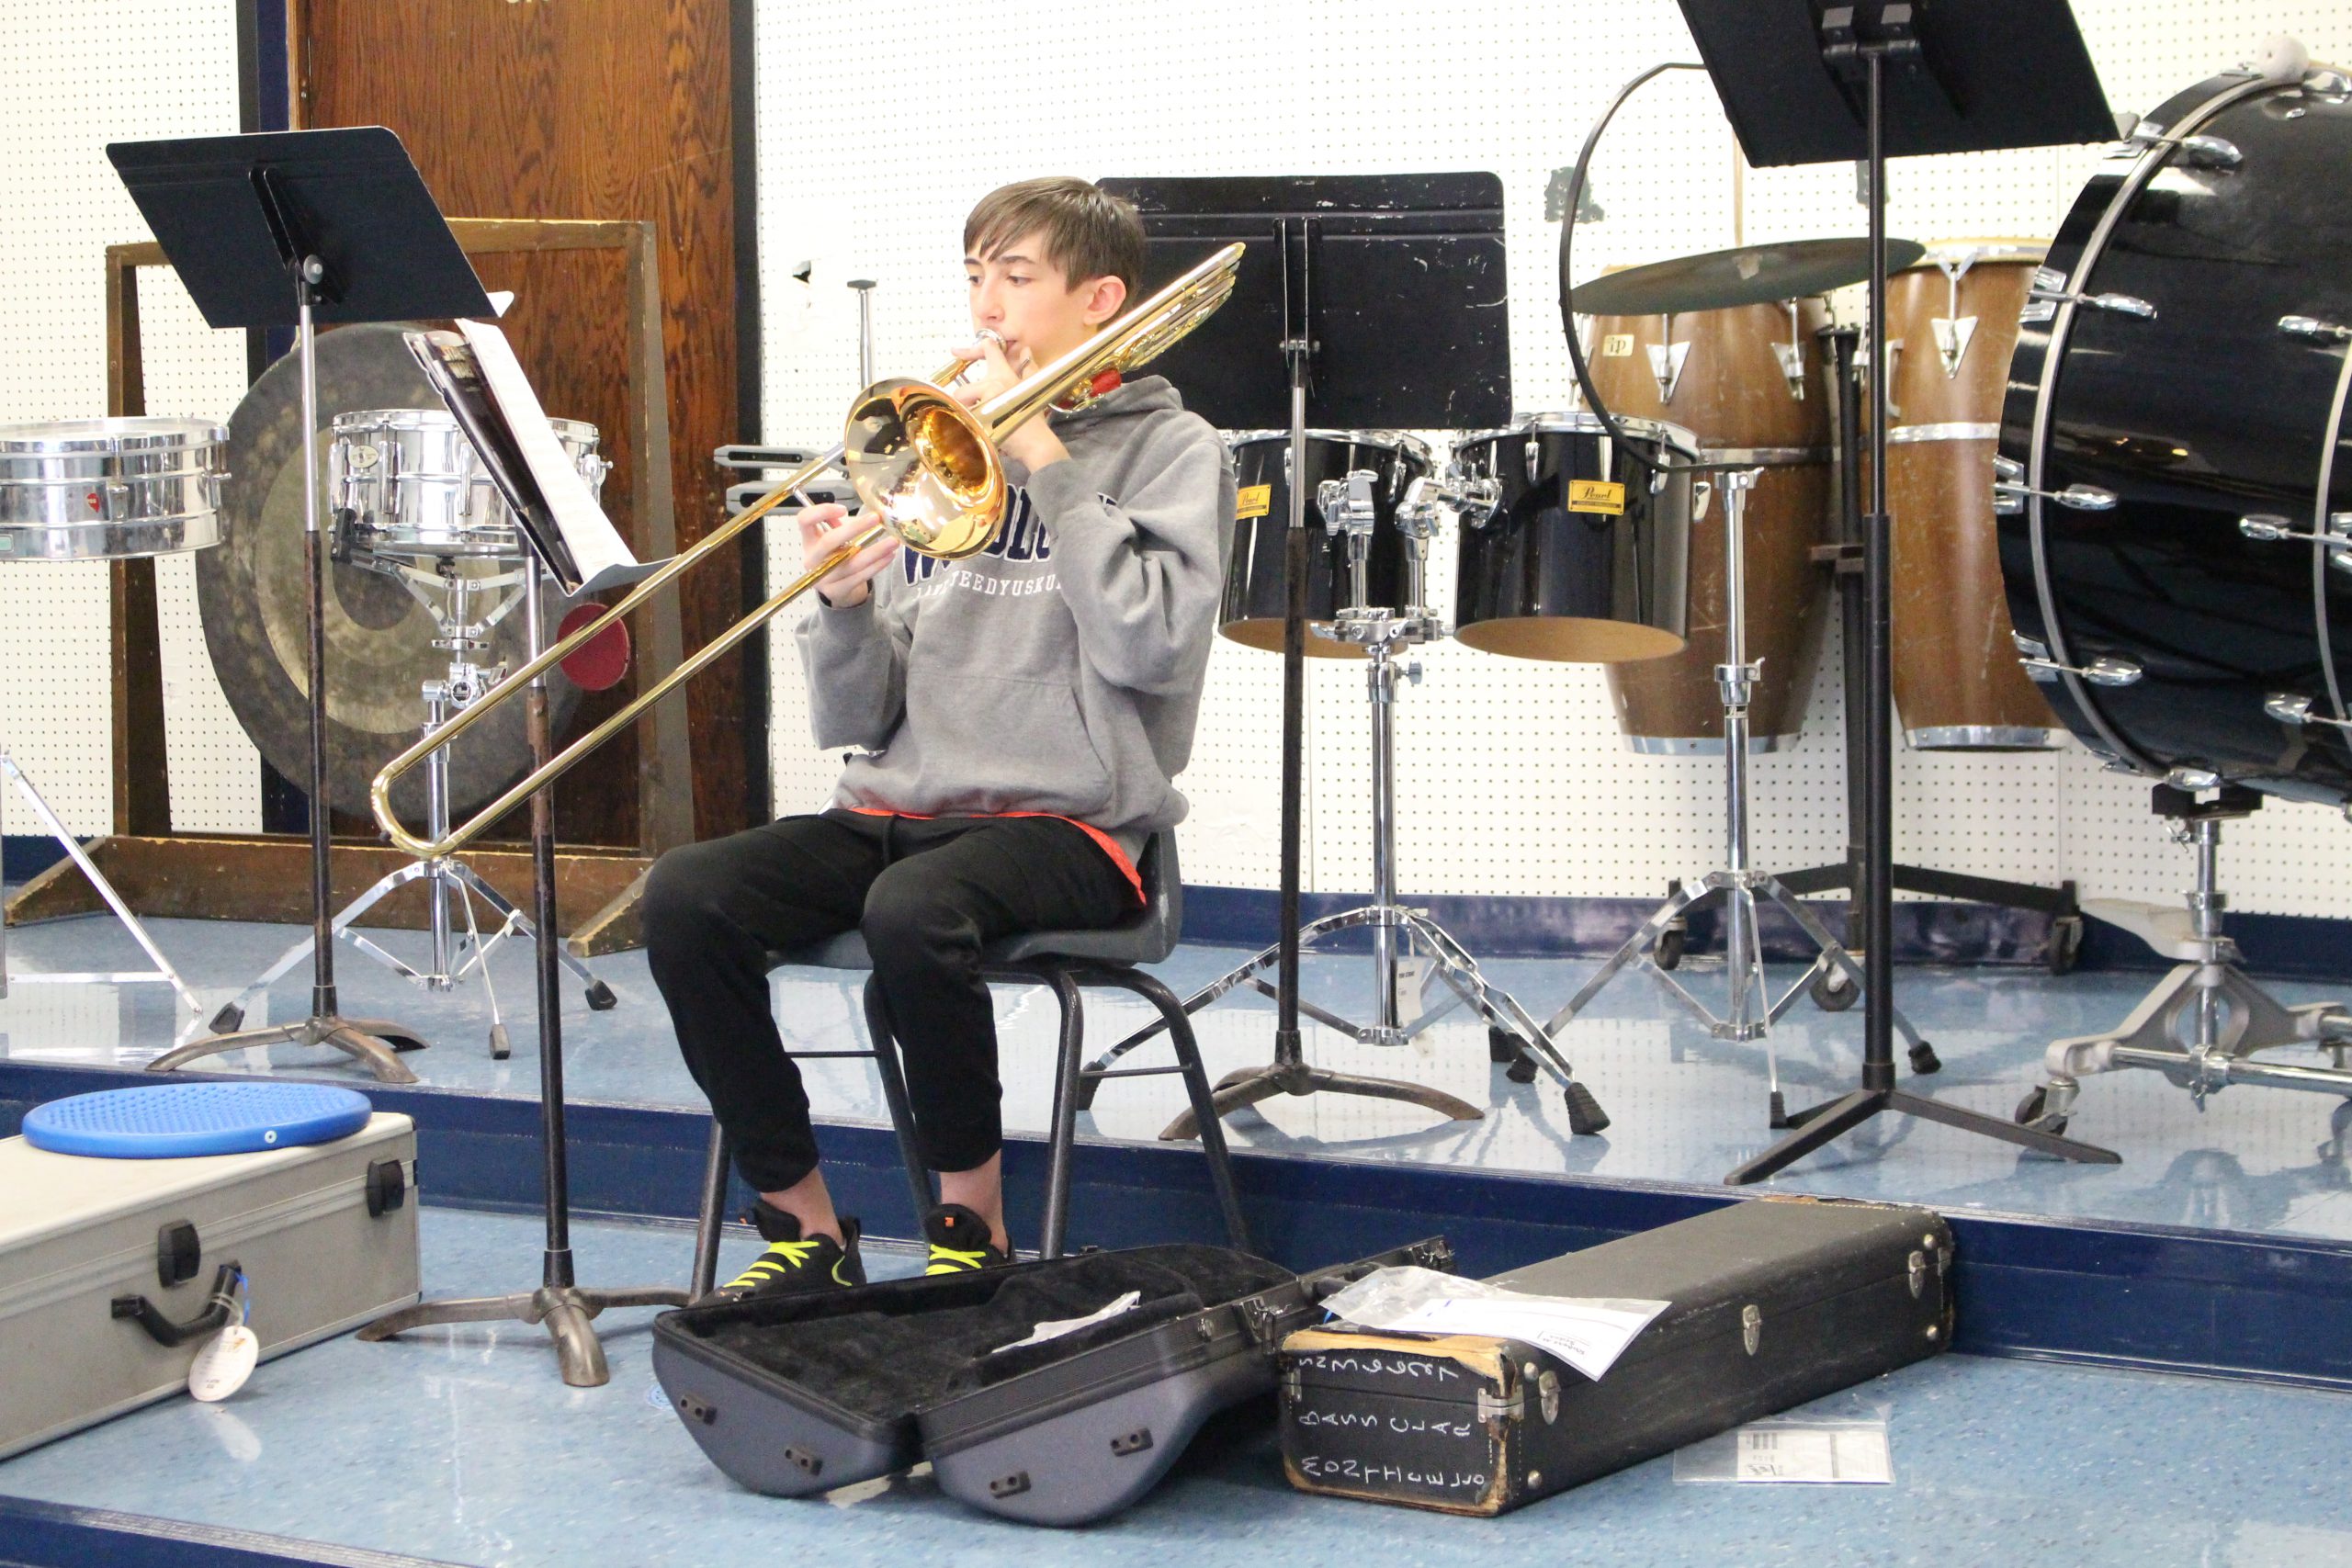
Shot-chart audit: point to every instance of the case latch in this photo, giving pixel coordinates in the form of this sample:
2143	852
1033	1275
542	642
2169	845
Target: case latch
1751	1327
1491	1408
1919	1272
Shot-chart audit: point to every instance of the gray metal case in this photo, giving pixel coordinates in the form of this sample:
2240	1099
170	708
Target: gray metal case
326	1233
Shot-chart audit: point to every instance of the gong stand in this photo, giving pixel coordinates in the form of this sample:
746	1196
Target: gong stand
448	596
224	208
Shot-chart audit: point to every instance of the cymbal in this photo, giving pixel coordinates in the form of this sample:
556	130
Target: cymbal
252	595
1751	274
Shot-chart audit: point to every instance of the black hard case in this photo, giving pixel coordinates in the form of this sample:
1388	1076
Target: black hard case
798	1395
1775	1301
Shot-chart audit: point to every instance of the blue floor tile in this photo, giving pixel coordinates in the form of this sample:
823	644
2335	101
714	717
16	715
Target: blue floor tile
461	1444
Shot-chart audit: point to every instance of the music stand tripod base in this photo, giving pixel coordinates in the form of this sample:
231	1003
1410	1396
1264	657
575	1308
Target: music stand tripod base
566	1311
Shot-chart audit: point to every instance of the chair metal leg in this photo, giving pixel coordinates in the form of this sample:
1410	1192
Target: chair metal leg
709	1217
1059	1141
1178	1024
894	1095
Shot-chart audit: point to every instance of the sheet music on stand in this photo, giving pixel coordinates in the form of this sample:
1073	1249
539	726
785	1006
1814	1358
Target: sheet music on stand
475	373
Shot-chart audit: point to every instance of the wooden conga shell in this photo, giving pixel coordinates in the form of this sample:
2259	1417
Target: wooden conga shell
1734	395
1958	685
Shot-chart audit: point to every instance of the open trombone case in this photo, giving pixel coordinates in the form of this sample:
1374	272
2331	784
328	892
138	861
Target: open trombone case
798	1394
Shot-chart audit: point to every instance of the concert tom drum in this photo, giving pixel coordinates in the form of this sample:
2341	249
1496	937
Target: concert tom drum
411	484
1252	610
1953	321
1746	382
1585	556
109	489
2173	486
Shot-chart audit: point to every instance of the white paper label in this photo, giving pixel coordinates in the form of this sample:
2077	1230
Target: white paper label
222	1366
1589	1335
1055	1328
1814	1455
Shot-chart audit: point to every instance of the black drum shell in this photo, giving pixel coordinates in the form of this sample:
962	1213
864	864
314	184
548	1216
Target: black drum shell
2204	415
1539	581
1252	606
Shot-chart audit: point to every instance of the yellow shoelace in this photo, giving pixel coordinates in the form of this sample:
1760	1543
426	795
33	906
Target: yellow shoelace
948	1260
796	1256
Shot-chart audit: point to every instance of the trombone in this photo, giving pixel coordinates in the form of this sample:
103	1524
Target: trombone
929	473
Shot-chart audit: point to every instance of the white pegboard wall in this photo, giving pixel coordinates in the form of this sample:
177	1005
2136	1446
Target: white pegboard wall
81	73
1511	776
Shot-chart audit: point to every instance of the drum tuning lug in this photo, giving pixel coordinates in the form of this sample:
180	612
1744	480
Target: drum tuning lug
2102	671
2193	152
2289	708
2311	328
2010	497
2041	304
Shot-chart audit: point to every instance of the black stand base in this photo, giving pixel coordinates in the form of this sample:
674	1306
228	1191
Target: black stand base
1832	1120
373	1042
565	1310
2058	951
1251	1085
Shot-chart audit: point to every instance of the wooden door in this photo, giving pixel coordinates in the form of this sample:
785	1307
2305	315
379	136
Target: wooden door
587	110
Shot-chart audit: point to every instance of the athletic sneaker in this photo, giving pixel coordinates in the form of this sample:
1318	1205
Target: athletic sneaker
959	1241
791	1266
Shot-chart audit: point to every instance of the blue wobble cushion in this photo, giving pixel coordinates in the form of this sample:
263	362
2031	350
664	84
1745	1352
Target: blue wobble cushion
174	1121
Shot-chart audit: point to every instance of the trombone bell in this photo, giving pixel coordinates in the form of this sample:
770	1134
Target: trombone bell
922	462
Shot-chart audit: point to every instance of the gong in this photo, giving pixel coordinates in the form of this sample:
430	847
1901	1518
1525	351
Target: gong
379	636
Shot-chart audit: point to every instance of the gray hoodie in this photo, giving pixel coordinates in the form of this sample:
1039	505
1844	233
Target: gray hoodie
1060	670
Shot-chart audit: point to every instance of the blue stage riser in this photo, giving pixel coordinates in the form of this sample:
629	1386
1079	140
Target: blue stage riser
2105	1292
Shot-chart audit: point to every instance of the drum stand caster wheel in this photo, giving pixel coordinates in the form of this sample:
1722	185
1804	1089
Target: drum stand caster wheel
1833	991
2033	1112
1521	1068
1924	1058
1672	941
2065	944
1502	1045
601	998
1585	1114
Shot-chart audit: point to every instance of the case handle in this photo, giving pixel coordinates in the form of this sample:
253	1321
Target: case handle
211	1320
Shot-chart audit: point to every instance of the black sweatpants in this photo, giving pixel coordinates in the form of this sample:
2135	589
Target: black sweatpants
927	894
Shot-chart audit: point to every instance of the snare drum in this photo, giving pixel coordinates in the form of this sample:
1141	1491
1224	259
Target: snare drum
1951	323
1251	611
1746	382
412	485
1585	556
109	489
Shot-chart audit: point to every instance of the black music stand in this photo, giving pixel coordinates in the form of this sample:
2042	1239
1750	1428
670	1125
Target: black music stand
559	1303
1376	308
303	229
1803	83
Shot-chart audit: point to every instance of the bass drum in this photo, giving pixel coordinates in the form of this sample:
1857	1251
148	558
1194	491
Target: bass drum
1747	383
2185	356
1585	557
1952	321
1252	610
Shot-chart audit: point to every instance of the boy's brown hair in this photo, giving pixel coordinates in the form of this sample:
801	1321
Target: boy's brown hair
1089	232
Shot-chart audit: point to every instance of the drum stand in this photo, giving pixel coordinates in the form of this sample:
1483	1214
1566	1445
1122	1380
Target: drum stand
563	1307
1751	1011
452	960
2203	1024
162	972
368	1040
1397	930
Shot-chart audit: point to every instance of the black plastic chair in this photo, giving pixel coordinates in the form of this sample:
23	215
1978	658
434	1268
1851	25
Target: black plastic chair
1065	963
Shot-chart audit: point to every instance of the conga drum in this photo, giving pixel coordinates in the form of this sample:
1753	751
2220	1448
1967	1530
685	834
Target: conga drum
1953	321
1746	382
